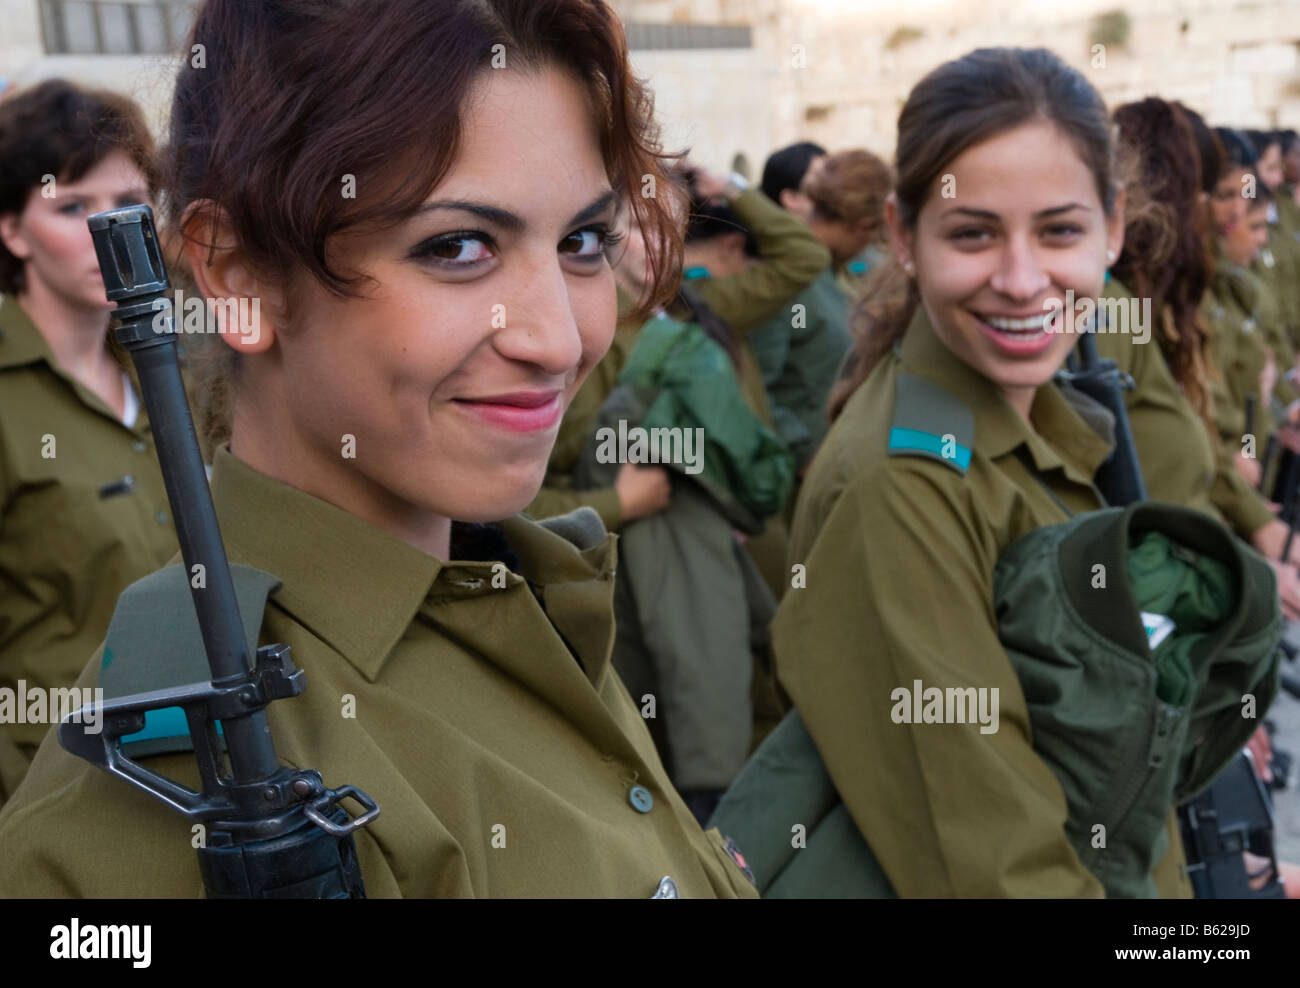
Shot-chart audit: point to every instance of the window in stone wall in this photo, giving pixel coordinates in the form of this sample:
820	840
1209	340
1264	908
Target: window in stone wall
115	27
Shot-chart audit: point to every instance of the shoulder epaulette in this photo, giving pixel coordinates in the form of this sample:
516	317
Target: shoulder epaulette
154	643
930	422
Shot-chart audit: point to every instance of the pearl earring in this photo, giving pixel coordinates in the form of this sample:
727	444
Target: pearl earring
907	266
1110	256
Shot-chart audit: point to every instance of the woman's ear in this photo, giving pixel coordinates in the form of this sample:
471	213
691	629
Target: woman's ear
227	282
900	238
11	236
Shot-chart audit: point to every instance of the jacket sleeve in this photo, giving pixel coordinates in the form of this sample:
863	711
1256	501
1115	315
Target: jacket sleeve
792	258
1241	505
900	592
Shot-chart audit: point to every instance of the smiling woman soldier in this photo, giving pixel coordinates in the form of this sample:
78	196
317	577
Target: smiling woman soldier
951	443
419	344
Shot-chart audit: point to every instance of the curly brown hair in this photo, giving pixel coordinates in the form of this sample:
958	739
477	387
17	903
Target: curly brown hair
1166	255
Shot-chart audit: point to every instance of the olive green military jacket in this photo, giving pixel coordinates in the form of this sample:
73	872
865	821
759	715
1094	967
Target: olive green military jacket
800	351
1182	463
924	480
505	754
83	513
1242	328
1283	273
852	276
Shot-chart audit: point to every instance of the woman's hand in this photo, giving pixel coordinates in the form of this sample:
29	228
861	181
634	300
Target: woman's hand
710	185
1260	747
1270	540
1288	589
642	491
1248	468
1267	377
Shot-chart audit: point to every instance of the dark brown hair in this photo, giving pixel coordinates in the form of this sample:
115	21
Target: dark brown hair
292	95
1166	257
956	106
60	129
1214	161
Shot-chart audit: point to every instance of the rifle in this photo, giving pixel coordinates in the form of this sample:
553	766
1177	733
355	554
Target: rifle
1119	478
1232	816
273	832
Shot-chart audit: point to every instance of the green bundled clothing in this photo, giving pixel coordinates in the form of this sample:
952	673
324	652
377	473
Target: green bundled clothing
692	608
1128	732
678	378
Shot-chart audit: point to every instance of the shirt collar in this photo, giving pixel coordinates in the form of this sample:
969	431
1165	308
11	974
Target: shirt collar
358	588
1059	438
21	344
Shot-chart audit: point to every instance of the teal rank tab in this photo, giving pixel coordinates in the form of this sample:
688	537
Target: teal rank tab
945	448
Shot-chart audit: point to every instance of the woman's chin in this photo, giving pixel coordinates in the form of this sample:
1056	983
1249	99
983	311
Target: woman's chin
501	499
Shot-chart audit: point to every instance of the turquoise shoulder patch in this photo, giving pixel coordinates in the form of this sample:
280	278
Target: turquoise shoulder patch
154	643
930	422
691	274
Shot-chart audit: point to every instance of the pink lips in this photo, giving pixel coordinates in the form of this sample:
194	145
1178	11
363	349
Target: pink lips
519	411
1016	346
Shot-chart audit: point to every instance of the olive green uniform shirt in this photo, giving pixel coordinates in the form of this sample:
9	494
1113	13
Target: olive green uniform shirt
899	553
1240	318
83	513
852	277
479	712
1182	463
1280	265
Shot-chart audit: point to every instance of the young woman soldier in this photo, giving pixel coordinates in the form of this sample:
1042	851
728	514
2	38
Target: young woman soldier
899	541
1167	259
83	511
437	323
1247	341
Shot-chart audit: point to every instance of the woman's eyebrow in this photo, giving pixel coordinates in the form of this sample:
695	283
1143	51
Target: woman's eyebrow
510	221
987	214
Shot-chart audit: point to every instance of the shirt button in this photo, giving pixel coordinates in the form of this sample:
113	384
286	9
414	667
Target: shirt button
667	889
161	517
641	800
140	446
